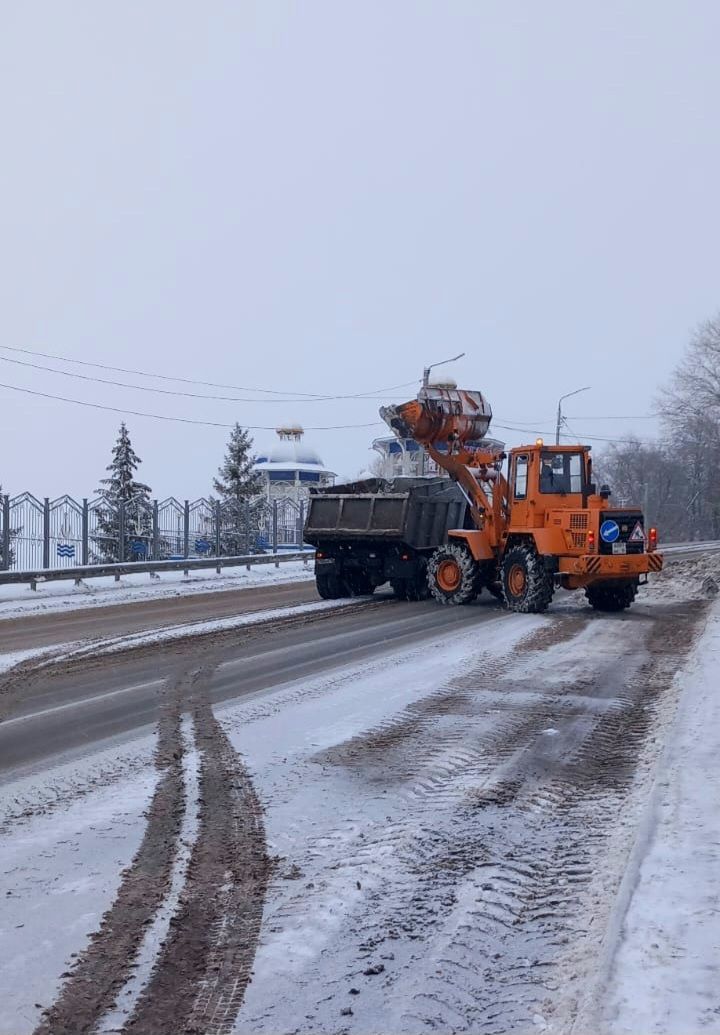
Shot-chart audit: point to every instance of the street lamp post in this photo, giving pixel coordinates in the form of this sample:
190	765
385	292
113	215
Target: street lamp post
559	411
426	371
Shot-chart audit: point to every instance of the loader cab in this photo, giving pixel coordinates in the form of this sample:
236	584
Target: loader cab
544	478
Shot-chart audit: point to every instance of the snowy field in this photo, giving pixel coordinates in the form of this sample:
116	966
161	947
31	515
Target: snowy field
513	828
19	600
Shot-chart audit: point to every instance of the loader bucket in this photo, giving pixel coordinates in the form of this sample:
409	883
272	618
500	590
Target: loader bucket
440	415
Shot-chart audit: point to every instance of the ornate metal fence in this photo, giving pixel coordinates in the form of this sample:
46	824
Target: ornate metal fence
37	534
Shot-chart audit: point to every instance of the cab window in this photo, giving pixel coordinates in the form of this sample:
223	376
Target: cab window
561	472
521	477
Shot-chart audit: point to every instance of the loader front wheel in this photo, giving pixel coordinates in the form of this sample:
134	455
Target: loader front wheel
611	598
527	585
452	575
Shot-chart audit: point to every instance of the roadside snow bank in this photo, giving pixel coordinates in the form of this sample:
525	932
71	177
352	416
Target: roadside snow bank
665	970
686	579
19	600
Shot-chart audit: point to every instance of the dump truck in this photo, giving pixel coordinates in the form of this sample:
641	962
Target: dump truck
537	519
373	531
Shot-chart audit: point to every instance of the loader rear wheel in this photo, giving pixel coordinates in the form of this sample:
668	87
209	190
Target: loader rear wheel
611	598
527	585
452	575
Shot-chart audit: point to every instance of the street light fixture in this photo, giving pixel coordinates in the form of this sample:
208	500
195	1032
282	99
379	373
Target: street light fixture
426	371
559	411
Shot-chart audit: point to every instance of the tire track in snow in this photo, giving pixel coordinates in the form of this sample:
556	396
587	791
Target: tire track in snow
104	967
203	906
484	890
204	966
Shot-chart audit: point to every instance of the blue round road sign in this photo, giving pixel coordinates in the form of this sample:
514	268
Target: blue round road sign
609	531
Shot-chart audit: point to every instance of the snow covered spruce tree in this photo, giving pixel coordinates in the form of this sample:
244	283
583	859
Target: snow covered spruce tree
126	511
239	490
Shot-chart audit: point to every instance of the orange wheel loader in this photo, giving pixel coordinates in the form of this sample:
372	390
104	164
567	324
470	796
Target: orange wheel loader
539	520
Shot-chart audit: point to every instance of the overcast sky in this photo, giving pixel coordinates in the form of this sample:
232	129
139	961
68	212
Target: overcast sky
322	197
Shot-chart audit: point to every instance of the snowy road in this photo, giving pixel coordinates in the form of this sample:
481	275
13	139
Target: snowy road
393	817
82	617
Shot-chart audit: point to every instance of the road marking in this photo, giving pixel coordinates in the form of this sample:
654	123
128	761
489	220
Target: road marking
77	704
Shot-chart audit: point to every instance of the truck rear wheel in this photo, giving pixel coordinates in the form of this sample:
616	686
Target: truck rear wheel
330	587
361	585
526	584
452	575
611	598
399	588
417	588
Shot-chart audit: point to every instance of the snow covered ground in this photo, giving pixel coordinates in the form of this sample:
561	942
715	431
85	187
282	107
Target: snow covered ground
452	828
19	600
65	838
665	973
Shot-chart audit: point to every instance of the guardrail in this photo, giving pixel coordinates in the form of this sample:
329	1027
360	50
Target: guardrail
686	551
673	551
186	565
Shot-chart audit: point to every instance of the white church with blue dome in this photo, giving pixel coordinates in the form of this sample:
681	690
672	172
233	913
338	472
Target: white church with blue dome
291	468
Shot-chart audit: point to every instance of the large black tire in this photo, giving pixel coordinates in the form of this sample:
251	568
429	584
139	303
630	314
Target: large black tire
330	587
452	575
399	588
360	584
527	585
611	598
417	588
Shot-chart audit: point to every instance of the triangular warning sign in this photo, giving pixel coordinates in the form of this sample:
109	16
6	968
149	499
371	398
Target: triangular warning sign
637	535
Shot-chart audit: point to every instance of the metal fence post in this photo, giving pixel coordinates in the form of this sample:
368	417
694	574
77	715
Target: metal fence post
84	533
186	533
155	531
275	529
5	533
218	519
247	526
121	533
301	529
46	533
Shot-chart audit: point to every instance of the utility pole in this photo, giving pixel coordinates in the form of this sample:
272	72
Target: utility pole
559	411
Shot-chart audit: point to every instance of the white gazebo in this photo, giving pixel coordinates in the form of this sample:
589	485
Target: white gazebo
291	468
404	457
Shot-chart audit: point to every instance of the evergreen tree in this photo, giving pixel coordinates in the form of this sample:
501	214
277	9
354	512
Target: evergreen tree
239	488
124	497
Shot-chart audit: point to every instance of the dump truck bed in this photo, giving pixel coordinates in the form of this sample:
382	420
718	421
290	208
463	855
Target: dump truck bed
415	511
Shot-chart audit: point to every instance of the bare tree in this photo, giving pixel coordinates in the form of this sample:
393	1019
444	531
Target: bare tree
690	410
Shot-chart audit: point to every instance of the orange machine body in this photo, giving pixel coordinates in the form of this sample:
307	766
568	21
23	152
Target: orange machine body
543	495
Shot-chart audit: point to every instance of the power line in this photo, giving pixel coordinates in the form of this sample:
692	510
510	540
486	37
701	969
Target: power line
550	434
179	420
166	391
204	384
643	416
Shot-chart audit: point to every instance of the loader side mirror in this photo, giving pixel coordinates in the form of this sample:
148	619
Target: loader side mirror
605	492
